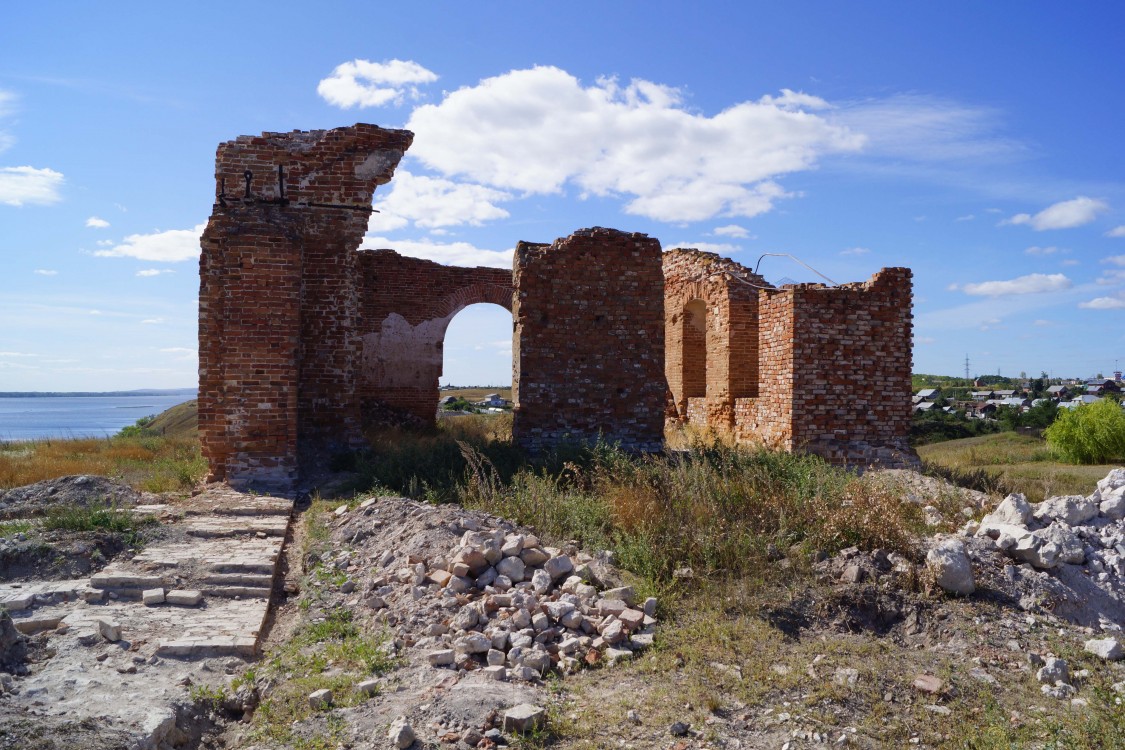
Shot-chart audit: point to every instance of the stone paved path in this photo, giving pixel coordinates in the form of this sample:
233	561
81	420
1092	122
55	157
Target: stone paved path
221	575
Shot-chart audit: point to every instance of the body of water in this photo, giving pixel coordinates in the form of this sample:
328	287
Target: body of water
36	417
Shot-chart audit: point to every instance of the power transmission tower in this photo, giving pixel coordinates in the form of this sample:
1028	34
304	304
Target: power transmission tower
966	367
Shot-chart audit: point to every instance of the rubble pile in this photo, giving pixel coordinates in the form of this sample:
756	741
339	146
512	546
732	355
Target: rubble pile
1067	530
498	600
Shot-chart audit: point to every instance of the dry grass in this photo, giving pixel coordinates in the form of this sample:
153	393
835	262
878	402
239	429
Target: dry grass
153	464
1018	463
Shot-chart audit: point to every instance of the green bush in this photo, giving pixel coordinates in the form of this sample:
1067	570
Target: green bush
1089	434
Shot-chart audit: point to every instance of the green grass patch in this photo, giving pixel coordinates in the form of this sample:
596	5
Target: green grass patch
1010	462
96	517
334	652
18	526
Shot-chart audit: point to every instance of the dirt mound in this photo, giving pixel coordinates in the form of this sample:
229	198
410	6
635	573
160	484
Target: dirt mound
81	489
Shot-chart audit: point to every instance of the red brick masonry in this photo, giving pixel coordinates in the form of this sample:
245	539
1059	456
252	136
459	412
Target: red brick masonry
303	341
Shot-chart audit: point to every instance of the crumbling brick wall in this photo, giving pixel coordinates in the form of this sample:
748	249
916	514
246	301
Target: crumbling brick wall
831	365
711	335
277	300
302	339
589	342
406	305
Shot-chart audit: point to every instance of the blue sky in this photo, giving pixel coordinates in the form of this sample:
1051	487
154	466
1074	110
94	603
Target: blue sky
978	144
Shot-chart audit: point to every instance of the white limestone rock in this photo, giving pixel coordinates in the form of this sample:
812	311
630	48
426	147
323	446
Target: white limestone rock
952	569
1073	510
1108	649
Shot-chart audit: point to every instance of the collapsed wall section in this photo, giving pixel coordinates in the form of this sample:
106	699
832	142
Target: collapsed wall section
851	389
278	303
406	305
711	335
589	341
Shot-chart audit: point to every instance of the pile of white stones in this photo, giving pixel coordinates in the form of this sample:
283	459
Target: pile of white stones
520	610
1072	529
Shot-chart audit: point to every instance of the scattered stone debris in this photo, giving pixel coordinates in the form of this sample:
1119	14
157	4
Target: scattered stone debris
80	490
473	592
952	569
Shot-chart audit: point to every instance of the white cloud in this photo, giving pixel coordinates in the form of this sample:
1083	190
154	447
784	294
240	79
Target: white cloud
432	202
452	253
1070	262
732	230
154	271
1043	323
1104	303
166	247
920	128
1036	250
46	272
362	83
1116	260
1110	278
966	217
7	107
152	321
538	130
21	186
1118	231
1033	283
719	248
1063	215
97	222
178	350
924	340
855	251
17	354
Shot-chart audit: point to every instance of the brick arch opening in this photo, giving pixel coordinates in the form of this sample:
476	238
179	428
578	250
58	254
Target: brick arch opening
694	355
477	349
406	306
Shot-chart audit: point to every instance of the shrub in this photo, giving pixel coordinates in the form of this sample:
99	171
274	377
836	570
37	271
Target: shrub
1090	433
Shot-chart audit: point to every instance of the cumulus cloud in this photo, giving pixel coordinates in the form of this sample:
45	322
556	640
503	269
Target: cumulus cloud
1033	283
1105	303
855	251
46	272
362	83
431	202
168	247
22	186
1116	260
154	271
1109	278
539	130
1116	231
97	222
1063	215
451	253
1036	250
732	230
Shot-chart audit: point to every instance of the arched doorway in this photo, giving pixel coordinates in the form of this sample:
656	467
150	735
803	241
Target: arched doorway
477	361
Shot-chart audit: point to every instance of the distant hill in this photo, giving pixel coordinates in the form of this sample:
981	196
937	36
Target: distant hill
91	394
182	420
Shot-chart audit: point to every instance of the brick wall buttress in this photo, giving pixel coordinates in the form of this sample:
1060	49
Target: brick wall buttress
278	305
589	342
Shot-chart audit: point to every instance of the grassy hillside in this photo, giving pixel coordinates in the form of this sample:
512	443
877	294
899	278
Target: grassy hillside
1019	463
181	421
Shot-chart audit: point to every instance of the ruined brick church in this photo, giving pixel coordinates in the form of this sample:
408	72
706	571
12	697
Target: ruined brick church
304	340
